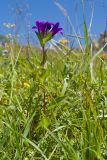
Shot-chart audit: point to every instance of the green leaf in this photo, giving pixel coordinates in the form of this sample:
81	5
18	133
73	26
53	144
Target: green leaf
40	37
28	125
86	38
44	122
47	37
64	87
44	38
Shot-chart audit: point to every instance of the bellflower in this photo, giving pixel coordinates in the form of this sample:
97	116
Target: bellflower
45	31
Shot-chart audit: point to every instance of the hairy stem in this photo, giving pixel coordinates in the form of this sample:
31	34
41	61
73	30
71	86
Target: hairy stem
43	56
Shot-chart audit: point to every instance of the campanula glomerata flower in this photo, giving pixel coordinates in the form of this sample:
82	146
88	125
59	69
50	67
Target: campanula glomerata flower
46	30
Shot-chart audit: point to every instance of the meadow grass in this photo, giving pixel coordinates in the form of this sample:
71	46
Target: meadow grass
56	112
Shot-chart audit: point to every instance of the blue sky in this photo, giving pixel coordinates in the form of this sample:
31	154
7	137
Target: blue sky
28	11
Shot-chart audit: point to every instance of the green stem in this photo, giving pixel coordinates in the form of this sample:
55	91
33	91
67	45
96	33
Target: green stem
44	100
43	55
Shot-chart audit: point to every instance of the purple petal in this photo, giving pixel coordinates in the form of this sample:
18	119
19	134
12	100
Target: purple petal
51	23
34	27
45	27
61	33
55	29
38	25
49	26
56	25
41	25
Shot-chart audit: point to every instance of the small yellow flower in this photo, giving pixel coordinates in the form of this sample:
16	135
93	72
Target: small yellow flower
64	41
27	85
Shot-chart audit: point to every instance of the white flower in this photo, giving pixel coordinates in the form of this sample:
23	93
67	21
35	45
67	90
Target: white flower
9	25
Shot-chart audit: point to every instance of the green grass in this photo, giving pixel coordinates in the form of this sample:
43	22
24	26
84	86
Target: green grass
53	112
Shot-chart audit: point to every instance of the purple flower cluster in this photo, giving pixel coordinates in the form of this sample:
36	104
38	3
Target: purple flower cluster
46	30
45	27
